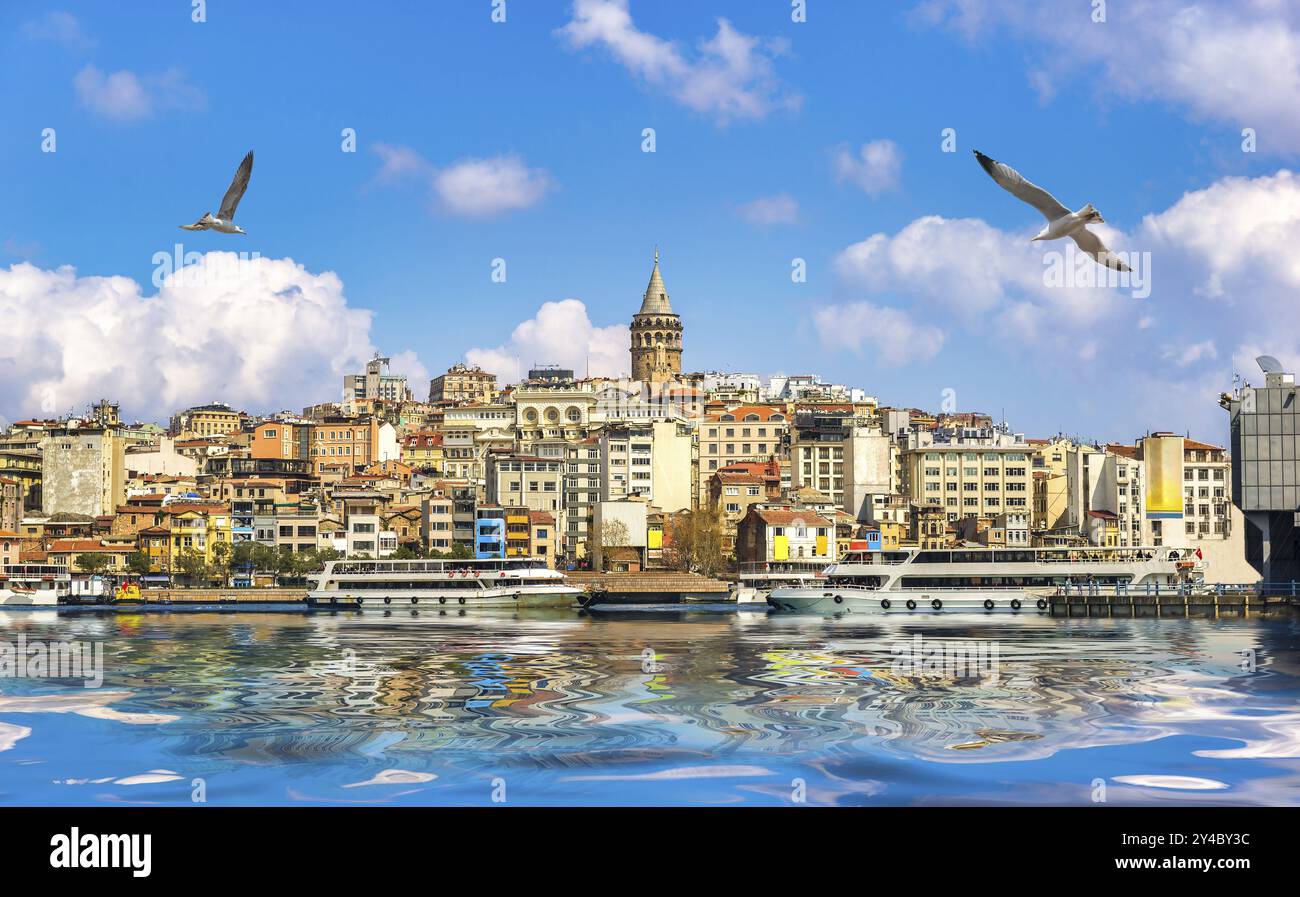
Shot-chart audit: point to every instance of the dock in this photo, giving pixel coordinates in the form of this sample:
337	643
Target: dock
1231	599
214	596
668	587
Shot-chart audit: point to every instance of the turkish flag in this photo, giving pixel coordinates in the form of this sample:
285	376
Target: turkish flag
1199	556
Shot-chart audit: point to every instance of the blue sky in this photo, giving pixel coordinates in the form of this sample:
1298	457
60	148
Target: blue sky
152	113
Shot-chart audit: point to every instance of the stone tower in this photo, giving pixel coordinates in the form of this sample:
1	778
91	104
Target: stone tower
656	334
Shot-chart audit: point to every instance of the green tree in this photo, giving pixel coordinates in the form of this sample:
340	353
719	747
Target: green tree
138	563
221	559
192	564
93	563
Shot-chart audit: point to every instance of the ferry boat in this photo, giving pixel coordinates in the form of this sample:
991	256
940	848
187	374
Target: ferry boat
508	582
34	585
755	581
981	579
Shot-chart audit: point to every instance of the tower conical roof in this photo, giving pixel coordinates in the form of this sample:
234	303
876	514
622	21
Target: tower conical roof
655	301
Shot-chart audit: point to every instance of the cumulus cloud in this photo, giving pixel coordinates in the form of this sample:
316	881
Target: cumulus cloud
469	188
1246	54
891	334
1222	270
730	76
779	209
481	188
125	96
59	27
877	167
560	333
258	333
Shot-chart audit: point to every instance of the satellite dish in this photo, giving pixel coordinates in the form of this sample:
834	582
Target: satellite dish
1269	365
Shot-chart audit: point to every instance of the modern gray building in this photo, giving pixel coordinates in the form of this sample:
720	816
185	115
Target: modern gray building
1265	427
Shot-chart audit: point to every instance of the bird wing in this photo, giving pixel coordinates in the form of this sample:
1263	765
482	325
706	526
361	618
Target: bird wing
1091	244
1011	180
235	192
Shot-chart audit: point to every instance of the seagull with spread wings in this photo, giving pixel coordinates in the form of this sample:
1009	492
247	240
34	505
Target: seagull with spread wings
224	222
1061	222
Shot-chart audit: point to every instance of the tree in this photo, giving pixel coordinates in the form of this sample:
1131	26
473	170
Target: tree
93	563
614	534
138	563
695	542
221	558
192	564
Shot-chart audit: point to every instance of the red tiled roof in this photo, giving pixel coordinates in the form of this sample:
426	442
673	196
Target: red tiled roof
540	517
787	517
59	546
764	413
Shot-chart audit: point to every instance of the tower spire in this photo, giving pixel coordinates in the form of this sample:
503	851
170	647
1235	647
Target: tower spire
656	333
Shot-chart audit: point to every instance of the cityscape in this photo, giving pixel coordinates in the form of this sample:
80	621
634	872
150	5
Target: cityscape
589	473
613	405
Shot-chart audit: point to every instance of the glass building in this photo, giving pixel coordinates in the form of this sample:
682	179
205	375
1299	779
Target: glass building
1265	427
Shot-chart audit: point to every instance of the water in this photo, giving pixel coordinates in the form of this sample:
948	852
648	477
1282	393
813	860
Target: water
641	707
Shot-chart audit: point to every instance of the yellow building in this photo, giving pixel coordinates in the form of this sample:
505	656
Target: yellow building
518	532
216	419
463	383
199	527
423	451
1048	461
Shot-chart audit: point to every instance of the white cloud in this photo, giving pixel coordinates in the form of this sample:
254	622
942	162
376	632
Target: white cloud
261	334
1231	62
731	76
1223	273
470	188
560	333
891	333
400	162
60	27
779	209
126	96
481	188
1183	355
876	168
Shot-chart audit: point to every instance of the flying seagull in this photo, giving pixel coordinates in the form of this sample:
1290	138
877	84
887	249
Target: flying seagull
225	219
1061	222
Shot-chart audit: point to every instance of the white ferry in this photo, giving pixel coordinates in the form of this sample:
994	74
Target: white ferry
755	581
34	585
510	582
981	579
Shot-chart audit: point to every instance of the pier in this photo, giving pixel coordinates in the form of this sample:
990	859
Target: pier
648	588
1236	598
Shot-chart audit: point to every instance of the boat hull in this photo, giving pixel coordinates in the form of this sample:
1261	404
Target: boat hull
378	598
893	601
40	598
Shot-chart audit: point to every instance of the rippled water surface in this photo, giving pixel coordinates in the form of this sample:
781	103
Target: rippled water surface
653	708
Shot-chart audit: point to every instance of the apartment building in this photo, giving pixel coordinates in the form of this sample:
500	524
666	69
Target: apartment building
378	382
529	481
201	421
769	534
463	383
649	461
970	479
743	433
582	489
82	470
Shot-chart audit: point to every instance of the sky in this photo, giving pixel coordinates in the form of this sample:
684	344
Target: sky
438	186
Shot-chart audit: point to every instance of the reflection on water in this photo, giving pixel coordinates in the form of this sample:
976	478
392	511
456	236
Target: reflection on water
550	707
